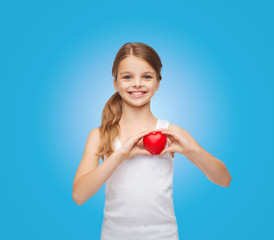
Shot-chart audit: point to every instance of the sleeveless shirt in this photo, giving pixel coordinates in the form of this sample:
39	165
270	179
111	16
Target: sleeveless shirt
139	198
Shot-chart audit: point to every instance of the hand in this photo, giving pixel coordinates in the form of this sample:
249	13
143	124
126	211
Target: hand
180	143
131	148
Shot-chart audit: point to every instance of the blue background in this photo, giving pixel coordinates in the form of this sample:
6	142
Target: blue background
56	60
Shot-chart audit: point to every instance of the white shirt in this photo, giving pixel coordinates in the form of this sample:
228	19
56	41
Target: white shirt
139	198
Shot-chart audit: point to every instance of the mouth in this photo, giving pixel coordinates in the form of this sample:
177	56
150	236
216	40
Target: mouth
137	93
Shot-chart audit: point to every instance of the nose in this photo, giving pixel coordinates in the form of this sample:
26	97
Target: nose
138	82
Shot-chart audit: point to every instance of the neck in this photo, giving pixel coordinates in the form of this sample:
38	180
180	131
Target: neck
137	116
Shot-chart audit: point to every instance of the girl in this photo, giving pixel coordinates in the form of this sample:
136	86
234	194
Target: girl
139	185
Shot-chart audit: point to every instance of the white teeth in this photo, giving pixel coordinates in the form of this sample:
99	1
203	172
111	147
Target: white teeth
139	93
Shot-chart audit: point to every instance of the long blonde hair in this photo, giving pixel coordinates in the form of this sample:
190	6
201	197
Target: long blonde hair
112	111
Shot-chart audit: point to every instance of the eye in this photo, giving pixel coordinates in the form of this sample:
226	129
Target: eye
148	76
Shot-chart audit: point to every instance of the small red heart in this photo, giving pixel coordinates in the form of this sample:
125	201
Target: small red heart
155	142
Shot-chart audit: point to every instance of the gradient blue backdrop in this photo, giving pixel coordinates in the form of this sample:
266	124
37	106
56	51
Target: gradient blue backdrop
56	60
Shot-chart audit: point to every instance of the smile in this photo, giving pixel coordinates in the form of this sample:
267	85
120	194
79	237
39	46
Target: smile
137	94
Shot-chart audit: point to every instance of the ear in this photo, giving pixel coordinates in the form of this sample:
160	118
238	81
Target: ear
158	85
115	85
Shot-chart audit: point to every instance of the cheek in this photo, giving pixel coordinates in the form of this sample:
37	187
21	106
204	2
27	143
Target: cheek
125	87
153	86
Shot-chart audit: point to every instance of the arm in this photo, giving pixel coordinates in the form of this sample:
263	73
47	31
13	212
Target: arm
90	177
184	143
88	184
213	168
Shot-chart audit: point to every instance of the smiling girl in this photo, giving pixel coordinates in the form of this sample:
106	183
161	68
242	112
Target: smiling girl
139	185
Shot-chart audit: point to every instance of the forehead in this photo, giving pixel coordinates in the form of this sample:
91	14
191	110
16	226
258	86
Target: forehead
134	64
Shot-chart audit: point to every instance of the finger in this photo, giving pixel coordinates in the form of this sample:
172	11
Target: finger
133	140
140	135
162	153
144	152
170	134
144	131
167	132
160	129
166	150
164	130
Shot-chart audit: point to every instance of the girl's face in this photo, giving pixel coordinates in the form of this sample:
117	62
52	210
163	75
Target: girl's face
135	74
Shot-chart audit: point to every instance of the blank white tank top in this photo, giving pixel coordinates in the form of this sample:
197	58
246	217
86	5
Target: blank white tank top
139	198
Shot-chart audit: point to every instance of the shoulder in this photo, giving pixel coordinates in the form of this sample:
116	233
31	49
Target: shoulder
94	138
95	133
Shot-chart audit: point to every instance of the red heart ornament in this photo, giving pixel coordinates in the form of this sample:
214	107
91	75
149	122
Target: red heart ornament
155	142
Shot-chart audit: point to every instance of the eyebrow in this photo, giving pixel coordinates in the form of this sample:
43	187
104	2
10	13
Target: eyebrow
131	72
